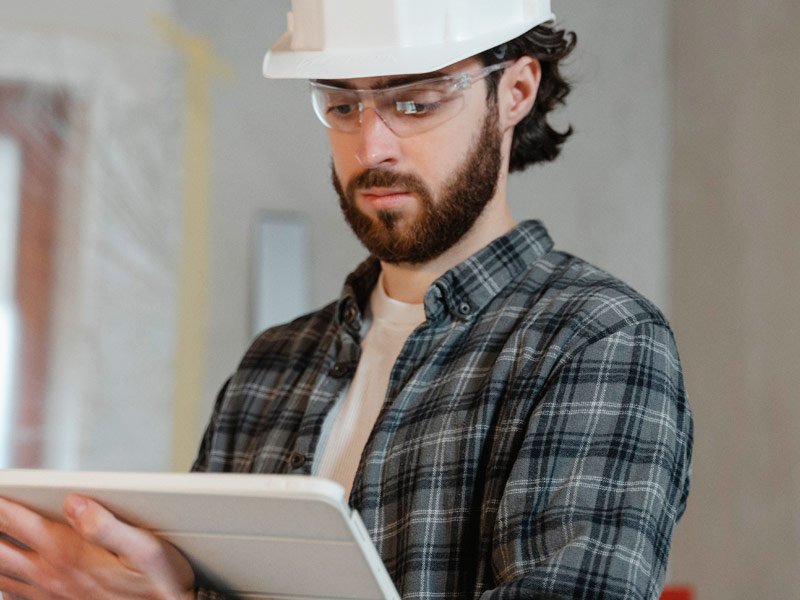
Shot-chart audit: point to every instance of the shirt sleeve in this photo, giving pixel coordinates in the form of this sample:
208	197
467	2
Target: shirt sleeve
202	461
601	477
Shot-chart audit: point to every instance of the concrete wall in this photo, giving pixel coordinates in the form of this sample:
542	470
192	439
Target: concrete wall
735	292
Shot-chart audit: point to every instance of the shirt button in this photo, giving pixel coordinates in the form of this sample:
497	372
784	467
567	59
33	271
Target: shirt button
350	314
464	309
340	370
297	460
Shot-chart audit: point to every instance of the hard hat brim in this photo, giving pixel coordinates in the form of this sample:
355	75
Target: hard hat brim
281	62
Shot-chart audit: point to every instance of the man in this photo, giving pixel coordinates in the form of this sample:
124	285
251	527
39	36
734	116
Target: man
509	421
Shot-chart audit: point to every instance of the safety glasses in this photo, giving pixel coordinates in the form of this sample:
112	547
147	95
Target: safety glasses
406	109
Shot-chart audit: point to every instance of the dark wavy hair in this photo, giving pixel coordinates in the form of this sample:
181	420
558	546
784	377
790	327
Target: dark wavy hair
535	140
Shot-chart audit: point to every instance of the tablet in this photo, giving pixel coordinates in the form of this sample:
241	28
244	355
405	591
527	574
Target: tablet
253	536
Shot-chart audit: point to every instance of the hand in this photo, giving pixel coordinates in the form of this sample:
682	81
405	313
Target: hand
96	556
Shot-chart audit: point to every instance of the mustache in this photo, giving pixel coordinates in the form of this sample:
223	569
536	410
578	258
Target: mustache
383	178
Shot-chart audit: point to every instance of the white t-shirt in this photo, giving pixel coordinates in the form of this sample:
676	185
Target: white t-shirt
347	427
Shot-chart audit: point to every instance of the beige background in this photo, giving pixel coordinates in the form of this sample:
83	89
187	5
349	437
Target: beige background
735	291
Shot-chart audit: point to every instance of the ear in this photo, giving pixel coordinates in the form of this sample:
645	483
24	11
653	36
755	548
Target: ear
517	91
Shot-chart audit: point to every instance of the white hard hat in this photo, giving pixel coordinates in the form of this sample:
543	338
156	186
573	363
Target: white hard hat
343	39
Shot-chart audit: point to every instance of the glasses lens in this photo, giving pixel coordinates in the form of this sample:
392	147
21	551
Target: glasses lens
406	109
337	108
416	108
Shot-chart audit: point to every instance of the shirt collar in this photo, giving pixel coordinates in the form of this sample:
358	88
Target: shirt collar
469	286
466	288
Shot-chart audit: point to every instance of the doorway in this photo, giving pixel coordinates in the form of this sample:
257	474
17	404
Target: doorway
33	126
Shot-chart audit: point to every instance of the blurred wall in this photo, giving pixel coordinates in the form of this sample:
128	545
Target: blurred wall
735	293
111	361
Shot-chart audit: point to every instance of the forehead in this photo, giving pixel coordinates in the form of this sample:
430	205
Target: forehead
381	82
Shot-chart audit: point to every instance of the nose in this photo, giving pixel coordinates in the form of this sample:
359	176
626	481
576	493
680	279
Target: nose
378	145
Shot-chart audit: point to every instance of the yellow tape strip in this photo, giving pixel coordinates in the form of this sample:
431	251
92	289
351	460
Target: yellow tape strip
195	263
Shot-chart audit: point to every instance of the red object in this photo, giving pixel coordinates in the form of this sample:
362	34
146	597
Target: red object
677	592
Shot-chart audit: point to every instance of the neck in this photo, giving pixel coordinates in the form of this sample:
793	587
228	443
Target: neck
409	283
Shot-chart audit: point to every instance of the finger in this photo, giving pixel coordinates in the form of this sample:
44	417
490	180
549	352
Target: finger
24	525
141	551
16	562
14	589
99	526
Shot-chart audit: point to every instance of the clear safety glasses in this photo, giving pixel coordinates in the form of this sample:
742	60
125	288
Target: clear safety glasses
406	109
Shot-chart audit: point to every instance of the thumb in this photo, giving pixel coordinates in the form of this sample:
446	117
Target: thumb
138	549
99	526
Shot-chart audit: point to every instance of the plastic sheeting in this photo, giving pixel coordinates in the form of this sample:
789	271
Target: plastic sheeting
97	105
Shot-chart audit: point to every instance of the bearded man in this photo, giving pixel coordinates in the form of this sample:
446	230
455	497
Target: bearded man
508	420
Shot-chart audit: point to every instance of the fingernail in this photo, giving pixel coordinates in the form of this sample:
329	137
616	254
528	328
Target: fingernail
76	507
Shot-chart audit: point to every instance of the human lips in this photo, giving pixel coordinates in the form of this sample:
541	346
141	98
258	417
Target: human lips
383	198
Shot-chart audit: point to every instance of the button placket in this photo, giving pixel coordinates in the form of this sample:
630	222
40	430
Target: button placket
340	370
297	460
350	314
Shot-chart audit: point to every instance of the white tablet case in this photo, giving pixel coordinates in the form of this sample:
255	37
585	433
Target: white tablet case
255	536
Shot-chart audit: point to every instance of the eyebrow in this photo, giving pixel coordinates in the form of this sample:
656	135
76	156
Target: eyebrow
385	82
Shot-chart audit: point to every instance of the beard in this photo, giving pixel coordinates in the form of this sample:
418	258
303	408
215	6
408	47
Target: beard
441	222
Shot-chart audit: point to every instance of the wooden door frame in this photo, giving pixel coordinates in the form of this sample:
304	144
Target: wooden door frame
36	117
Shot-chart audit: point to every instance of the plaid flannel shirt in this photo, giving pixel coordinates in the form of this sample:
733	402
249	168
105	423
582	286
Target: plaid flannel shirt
535	440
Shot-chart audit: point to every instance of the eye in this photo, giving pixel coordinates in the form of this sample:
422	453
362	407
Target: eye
416	108
341	105
422	101
342	110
